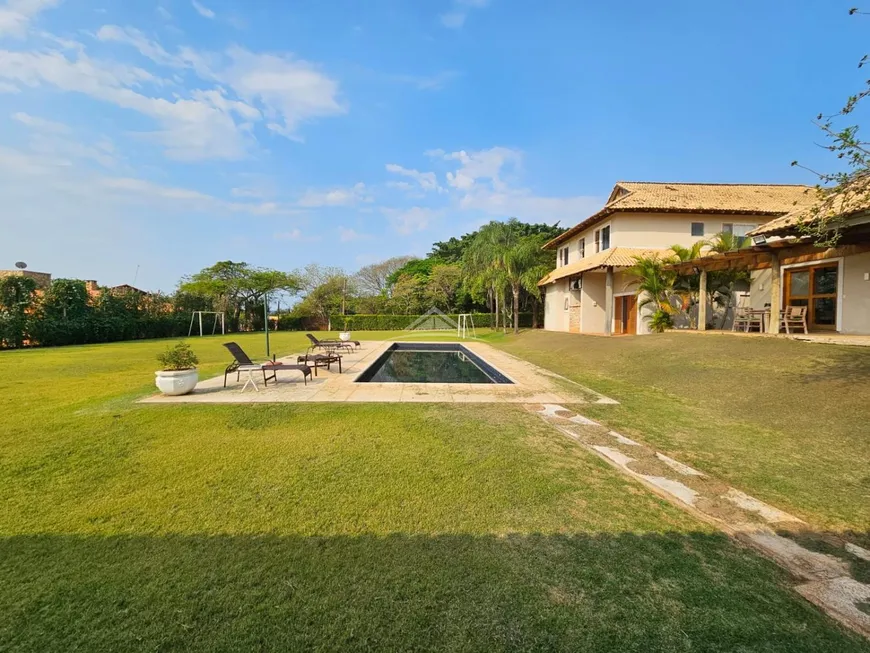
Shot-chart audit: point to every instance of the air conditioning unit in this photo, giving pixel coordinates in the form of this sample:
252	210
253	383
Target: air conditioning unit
577	283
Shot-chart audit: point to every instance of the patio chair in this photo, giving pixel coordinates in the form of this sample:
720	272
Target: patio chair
243	363
794	317
320	360
746	319
332	343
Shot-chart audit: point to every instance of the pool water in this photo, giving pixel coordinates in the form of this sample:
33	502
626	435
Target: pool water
430	363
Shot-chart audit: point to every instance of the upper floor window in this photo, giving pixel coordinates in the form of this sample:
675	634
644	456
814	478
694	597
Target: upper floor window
597	237
563	256
737	229
605	238
581	248
698	229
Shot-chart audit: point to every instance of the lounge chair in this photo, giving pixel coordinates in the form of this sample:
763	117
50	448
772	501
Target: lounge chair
243	363
332	343
320	360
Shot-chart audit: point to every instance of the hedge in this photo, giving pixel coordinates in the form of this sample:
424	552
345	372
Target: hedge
400	322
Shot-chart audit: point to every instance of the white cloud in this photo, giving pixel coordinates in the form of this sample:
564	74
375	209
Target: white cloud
296	235
455	18
40	124
427	180
482	165
434	82
292	90
16	15
347	235
191	129
202	10
163	12
408	221
335	197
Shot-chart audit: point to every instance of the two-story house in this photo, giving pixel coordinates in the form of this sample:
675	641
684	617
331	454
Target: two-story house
590	292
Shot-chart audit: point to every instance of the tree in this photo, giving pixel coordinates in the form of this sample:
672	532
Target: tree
655	285
687	286
326	291
373	279
17	298
233	287
840	190
442	286
66	298
504	258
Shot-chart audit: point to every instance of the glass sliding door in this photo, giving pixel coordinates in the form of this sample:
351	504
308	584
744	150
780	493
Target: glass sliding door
816	288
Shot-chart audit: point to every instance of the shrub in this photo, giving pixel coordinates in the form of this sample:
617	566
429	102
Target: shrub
179	357
661	321
399	322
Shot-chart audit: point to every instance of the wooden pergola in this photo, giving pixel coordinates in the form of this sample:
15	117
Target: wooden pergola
770	255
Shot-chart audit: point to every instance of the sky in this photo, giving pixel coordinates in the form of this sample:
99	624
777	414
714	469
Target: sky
143	140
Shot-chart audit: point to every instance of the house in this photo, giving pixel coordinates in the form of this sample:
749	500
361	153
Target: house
590	291
789	269
42	279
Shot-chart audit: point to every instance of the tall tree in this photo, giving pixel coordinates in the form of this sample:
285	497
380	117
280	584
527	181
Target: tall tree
374	279
849	187
502	256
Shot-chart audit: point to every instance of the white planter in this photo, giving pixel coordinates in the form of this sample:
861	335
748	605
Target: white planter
177	383
344	336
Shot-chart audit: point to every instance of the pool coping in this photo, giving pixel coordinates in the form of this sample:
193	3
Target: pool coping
530	384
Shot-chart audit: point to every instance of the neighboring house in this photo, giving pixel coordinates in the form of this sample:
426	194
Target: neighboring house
788	269
590	292
42	279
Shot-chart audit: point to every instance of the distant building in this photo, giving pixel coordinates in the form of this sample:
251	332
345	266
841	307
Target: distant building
42	279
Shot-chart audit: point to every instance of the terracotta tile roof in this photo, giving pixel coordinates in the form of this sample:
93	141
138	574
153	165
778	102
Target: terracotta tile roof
618	257
847	202
662	197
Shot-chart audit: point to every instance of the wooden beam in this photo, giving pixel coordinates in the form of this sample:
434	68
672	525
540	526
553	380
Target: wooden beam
608	302
702	302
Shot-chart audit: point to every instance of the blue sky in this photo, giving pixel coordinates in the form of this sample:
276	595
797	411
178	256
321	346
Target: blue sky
169	134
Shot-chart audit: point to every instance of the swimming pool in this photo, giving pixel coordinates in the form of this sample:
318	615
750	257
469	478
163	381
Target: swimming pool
414	362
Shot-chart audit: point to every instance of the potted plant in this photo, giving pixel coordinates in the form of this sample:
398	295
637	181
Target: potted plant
178	375
344	336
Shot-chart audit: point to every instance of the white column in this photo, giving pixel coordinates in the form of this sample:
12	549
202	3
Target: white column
702	302
775	292
608	301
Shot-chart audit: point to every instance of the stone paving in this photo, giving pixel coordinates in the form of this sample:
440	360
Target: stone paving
532	384
824	579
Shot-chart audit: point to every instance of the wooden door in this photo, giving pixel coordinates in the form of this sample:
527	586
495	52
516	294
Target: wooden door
626	315
816	288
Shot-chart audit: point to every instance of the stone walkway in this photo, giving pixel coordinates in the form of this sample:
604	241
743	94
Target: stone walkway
532	384
824	579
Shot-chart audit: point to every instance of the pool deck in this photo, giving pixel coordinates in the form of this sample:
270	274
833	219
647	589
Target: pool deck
531	384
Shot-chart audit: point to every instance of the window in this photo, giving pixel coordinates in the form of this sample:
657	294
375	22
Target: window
563	256
581	247
597	241
605	238
742	229
698	229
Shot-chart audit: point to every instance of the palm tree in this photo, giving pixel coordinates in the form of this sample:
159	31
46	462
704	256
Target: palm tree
655	286
721	285
502	258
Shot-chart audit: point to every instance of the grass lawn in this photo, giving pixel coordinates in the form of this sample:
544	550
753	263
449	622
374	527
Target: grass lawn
345	527
786	421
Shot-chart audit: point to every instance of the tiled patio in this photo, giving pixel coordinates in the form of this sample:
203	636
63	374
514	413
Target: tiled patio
532	384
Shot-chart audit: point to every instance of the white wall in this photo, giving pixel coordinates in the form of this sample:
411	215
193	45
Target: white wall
555	315
592	302
856	295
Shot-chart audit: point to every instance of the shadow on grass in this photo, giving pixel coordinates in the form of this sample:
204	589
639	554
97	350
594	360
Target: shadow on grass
671	592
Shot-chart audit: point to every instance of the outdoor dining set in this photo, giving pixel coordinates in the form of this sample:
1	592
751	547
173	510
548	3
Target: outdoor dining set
792	319
320	354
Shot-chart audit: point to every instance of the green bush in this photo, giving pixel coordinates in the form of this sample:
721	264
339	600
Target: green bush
661	321
179	357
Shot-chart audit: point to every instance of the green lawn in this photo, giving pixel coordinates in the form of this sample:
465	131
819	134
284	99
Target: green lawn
399	527
786	421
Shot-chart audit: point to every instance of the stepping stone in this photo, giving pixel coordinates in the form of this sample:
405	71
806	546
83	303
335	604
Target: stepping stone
624	440
682	492
768	513
677	466
613	454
